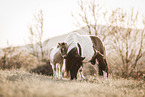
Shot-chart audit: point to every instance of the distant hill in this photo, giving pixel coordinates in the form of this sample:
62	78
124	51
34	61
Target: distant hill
49	43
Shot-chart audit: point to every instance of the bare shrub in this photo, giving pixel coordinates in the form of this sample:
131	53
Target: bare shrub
36	37
11	58
127	42
44	69
90	14
37	46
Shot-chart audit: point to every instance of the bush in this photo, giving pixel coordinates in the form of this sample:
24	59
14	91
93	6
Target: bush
45	69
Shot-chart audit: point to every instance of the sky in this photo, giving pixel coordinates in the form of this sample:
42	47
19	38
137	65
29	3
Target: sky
17	15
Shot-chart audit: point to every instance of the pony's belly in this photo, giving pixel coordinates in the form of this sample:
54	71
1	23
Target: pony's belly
88	53
87	47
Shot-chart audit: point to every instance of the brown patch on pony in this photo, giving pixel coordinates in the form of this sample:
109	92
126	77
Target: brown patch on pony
97	44
99	54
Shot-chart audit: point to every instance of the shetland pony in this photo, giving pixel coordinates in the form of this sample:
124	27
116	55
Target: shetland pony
85	48
57	59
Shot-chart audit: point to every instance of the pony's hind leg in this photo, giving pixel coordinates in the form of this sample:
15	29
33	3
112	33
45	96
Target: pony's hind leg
54	70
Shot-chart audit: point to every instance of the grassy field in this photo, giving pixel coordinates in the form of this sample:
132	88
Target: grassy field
19	83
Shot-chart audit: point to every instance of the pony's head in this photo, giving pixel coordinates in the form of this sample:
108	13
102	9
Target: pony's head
63	47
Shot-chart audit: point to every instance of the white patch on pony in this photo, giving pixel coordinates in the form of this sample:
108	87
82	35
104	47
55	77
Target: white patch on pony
53	52
105	74
85	43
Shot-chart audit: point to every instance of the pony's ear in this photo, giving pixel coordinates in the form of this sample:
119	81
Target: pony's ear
63	43
58	45
83	58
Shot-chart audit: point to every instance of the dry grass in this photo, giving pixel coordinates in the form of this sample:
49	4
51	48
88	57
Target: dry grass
19	83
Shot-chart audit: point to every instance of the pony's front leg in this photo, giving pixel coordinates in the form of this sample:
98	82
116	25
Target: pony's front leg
60	72
81	73
57	70
64	72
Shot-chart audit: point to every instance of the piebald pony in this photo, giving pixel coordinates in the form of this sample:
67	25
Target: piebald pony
91	48
57	59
